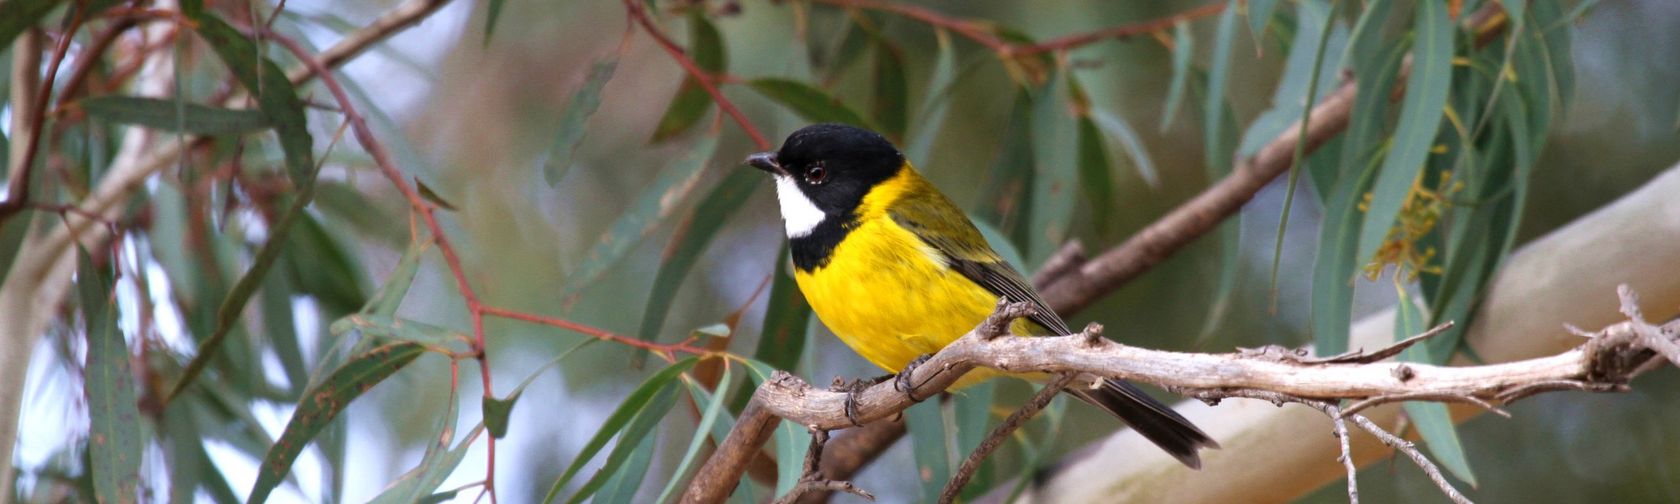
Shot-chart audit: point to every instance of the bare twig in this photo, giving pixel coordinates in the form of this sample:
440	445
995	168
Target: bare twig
17	198
812	482
1411	451
953	488
1652	336
1347	451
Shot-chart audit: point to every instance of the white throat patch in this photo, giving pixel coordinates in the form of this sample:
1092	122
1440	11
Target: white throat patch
799	215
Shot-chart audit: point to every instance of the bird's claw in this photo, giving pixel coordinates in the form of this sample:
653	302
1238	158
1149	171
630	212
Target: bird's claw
902	381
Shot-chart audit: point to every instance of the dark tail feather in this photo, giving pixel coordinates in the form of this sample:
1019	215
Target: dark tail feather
1157	422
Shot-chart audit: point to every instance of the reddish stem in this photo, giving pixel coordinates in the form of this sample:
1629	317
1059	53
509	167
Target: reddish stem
706	79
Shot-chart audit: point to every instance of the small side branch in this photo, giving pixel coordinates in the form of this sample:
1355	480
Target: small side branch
1039	400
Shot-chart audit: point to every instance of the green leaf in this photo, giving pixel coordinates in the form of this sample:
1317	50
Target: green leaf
713	409
1259	15
276	96
1117	127
572	124
388	327
809	103
892	91
497	411
429	475
1055	168
18	15
655	205
280	329
162	115
692	102
633	406
1318	42
972	414
629	445
621	487
936	99
1336	266
493	13
1433	420
928	441
1004	195
1183	48
113	410
694	233
1309	97
390	296
324	402
1215	153
786	314
1420	117
791	440
428	194
1094	177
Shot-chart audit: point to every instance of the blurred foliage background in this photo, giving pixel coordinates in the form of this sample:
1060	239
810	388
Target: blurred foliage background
589	211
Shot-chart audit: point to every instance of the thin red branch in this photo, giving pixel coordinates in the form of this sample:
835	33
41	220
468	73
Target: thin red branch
382	158
706	79
1119	32
980	33
664	349
18	196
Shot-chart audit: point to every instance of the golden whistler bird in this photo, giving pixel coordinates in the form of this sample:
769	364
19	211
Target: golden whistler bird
897	271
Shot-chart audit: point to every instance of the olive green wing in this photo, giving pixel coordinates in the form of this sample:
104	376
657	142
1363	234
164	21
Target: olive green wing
941	224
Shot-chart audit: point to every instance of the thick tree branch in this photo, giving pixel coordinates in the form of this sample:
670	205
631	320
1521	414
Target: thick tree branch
1604	363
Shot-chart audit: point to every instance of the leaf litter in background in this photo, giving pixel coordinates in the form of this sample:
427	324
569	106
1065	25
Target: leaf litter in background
114	414
1433	421
692	102
572	124
632	407
324	402
655	205
1420	116
174	115
692	235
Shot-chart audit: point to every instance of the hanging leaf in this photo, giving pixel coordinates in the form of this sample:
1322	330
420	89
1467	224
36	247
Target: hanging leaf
713	406
1055	171
655	205
324	402
1420	116
928	438
1432	418
1259	15
809	103
786	314
1215	154
1183	48
694	233
629	445
791	440
174	116
113	411
1094	177
633	406
573	122
492	13
276	96
892	91
390	295
1122	131
705	46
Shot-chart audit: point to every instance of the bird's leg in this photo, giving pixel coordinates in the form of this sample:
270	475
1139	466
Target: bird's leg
902	382
852	388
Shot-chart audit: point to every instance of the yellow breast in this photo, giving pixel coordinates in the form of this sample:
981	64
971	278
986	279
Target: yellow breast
890	296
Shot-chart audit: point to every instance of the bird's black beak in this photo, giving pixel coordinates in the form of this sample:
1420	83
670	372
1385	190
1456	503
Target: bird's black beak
767	161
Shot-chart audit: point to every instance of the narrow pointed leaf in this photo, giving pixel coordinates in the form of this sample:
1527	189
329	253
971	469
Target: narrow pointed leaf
276	96
928	442
1095	179
713	407
1259	16
1215	154
113	410
573	122
807	102
1122	131
628	410
892	91
786	314
390	295
432	471
162	115
1055	171
655	205
1183	49
629	445
1420	117
1433	421
791	440
692	102
694	233
323	403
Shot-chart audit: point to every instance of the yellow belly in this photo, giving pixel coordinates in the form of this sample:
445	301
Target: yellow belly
891	298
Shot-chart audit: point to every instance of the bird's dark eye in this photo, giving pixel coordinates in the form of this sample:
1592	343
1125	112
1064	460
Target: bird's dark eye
816	174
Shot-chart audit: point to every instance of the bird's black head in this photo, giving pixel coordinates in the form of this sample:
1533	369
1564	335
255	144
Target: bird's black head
831	165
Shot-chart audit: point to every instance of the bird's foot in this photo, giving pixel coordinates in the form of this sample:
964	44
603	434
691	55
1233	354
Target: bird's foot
852	388
902	381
